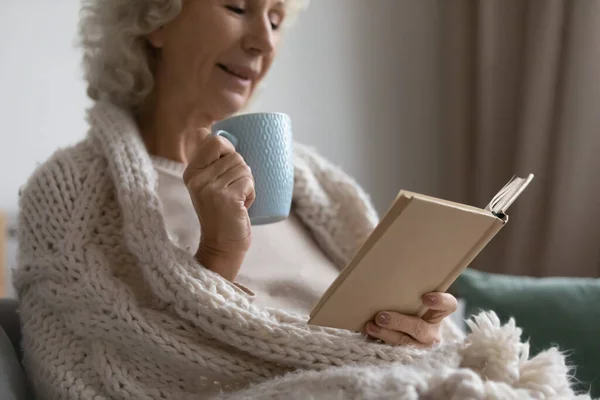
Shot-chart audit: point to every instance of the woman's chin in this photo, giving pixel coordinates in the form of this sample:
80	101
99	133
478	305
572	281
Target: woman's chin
231	103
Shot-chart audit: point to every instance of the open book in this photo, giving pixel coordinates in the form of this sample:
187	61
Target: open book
421	245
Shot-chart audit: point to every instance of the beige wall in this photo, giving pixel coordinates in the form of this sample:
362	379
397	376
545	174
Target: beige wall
42	96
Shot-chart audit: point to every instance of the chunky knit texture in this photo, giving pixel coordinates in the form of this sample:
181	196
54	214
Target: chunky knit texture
111	309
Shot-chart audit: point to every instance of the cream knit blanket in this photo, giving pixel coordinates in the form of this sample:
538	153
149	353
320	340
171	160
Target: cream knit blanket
111	309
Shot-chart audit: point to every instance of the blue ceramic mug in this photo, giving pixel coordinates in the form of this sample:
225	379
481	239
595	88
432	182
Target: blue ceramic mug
264	140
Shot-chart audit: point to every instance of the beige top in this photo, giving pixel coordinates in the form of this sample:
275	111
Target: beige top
295	288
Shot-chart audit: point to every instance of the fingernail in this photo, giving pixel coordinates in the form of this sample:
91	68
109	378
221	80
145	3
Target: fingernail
430	299
383	318
373	328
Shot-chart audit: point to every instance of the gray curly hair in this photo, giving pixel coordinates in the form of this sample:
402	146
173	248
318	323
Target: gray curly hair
118	61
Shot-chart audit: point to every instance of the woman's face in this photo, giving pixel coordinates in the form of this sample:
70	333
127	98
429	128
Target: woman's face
213	55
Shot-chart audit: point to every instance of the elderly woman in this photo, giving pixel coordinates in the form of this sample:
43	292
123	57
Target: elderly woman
140	275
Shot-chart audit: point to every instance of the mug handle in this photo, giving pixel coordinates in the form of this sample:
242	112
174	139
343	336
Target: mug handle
228	136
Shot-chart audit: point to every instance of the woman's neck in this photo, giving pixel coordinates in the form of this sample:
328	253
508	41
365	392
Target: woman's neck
171	130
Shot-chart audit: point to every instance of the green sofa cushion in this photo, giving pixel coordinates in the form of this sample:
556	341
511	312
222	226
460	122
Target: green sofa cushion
561	312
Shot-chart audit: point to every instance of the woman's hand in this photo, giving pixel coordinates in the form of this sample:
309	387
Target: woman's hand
221	186
399	329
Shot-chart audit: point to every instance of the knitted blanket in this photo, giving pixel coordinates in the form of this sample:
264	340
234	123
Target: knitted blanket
112	309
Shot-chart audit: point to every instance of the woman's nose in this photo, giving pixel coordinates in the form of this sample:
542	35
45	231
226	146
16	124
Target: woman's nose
260	38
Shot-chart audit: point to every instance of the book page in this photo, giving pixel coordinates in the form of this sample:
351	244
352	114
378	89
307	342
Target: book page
508	194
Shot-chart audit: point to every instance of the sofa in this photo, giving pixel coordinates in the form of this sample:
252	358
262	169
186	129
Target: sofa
13	381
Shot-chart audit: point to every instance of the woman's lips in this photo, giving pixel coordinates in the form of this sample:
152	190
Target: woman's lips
242	73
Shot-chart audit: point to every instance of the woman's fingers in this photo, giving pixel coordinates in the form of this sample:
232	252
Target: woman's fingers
234	174
217	165
418	329
440	302
239	181
198	178
244	187
225	165
400	329
210	150
392	337
440	306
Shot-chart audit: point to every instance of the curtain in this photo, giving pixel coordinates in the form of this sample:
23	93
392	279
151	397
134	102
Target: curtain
521	94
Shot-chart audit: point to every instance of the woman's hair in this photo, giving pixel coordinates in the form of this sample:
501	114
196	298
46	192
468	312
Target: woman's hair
118	60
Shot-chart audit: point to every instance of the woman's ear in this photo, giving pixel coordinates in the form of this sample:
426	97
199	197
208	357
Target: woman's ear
157	37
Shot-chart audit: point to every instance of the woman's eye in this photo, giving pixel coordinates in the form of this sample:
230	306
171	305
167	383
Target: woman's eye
276	20
237	10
